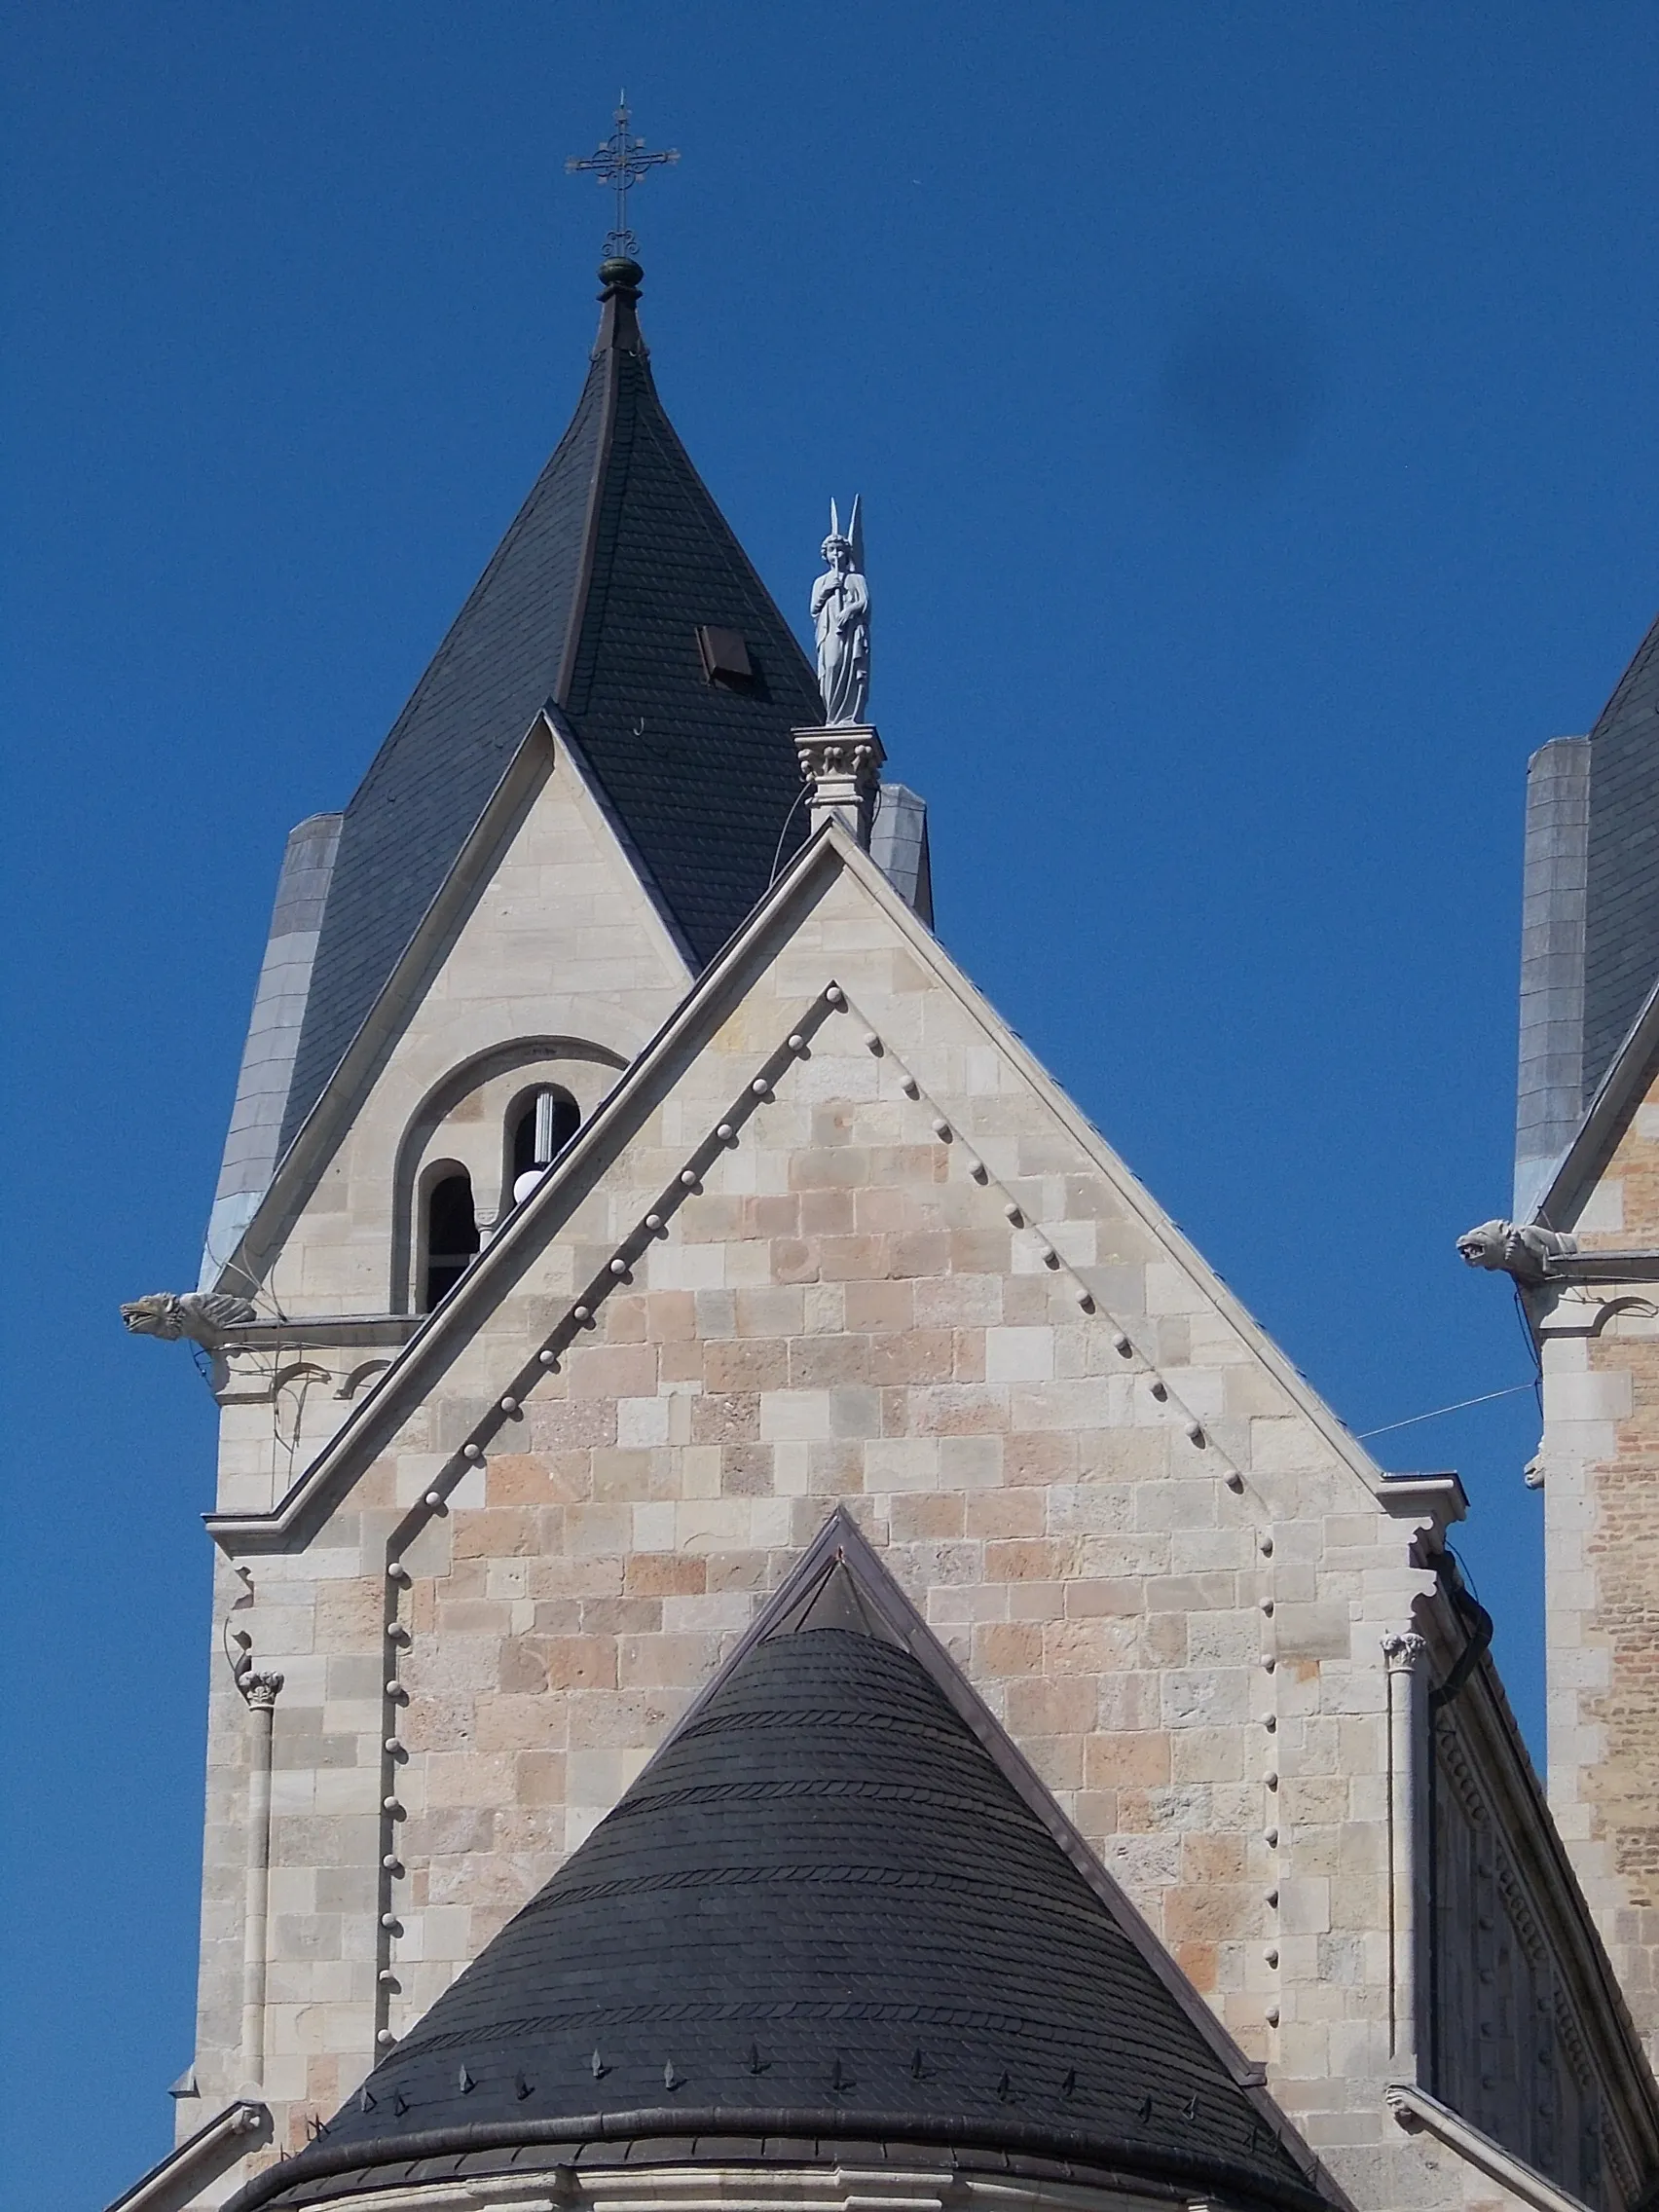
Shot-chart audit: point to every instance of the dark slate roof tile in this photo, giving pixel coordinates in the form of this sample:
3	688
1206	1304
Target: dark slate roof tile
824	1867
596	592
449	748
1621	930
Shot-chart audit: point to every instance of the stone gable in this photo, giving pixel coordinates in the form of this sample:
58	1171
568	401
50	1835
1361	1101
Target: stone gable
544	938
912	1281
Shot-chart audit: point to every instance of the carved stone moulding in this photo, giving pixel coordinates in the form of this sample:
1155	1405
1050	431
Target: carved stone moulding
843	764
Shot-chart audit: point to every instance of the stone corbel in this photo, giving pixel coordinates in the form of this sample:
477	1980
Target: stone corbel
1418	2113
197	2162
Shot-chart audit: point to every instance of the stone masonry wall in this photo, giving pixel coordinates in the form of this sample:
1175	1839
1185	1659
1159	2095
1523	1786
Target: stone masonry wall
560	943
1600	1463
1154	1561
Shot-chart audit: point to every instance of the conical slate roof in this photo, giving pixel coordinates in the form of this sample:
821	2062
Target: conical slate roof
591	606
822	1915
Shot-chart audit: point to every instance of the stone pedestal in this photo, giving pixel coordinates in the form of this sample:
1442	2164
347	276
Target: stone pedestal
844	766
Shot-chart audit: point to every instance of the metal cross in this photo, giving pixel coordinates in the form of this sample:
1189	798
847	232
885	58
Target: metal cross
620	163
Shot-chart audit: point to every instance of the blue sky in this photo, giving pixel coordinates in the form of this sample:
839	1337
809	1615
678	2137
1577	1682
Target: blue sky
1254	411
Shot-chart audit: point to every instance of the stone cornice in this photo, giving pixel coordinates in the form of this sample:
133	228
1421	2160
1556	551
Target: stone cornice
1134	2176
1636	1266
832	2187
1439	1501
305	1332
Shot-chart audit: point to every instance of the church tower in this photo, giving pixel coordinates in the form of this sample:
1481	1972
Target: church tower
1584	1249
788	1639
620	628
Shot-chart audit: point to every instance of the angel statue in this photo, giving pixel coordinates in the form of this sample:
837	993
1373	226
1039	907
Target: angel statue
840	614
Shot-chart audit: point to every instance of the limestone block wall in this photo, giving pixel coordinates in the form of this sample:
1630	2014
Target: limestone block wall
1600	1460
1516	2003
843	1244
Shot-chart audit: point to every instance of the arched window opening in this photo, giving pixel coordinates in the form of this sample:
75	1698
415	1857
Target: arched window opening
452	1234
545	1127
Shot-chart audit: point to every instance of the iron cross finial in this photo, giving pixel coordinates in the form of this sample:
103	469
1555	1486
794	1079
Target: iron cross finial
620	163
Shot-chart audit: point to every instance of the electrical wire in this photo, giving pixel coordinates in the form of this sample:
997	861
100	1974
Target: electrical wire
1484	1399
805	791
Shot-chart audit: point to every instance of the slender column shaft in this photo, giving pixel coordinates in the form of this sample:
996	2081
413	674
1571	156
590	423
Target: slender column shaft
260	1690
1404	1656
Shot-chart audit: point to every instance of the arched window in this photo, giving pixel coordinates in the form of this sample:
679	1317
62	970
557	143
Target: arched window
546	1123
451	1233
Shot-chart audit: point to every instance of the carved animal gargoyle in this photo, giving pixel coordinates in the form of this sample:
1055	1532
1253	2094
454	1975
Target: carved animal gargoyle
201	1316
1514	1249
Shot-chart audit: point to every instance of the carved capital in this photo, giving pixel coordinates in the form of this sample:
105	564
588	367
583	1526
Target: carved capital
842	764
1405	1652
259	1689
852	753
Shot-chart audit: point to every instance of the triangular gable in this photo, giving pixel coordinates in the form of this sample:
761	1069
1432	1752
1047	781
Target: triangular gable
542	751
831	855
1619	1092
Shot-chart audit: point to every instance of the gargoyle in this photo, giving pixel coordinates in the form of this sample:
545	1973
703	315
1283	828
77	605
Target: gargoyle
201	1316
1514	1249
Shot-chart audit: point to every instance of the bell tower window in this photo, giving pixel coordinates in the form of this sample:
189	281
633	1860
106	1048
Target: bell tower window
545	1126
451	1233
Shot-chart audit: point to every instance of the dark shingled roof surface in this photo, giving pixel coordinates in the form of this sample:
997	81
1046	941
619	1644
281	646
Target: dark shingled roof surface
824	1910
1621	918
616	556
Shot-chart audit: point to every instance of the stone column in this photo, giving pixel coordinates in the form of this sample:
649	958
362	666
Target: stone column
1404	1656
844	766
260	1691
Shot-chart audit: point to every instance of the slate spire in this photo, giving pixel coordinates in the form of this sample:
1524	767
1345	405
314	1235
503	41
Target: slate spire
591	606
1590	932
1621	922
824	1913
